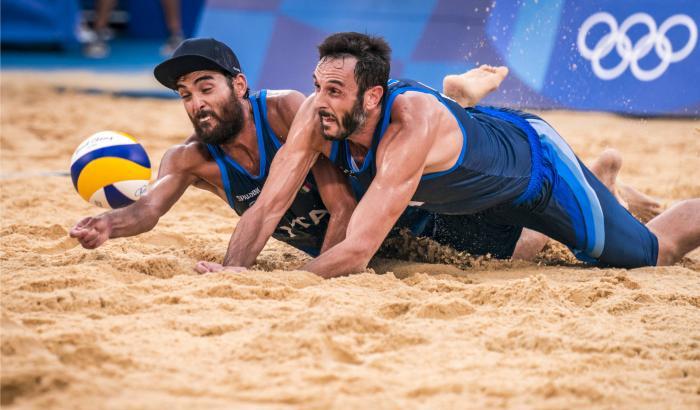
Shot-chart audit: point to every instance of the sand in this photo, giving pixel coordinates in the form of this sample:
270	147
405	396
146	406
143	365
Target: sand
130	325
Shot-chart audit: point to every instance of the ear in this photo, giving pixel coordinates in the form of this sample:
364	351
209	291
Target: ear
373	97
240	85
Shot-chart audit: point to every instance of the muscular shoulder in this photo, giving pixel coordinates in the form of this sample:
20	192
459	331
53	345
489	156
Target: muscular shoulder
413	115
282	106
186	157
413	105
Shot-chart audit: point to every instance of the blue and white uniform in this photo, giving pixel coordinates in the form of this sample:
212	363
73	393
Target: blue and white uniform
304	224
515	170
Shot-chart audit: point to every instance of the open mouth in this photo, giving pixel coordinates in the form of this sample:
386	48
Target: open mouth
327	119
204	117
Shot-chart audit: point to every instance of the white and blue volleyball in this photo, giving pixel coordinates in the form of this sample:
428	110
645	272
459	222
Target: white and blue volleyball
110	169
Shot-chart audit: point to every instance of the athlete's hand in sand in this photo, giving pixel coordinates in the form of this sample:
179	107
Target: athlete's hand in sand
92	232
470	87
211	267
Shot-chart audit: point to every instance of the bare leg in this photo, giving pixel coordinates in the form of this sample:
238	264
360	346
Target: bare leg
102	10
470	87
529	245
605	168
639	204
171	10
678	231
97	47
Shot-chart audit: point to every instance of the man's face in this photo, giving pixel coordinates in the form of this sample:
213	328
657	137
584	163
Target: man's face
215	111
339	107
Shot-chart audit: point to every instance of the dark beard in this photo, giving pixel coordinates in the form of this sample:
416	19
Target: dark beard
227	126
351	121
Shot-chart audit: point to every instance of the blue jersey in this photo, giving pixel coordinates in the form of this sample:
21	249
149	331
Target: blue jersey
493	167
304	224
515	170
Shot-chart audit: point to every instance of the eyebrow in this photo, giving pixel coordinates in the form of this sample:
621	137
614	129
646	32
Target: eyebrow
202	78
330	81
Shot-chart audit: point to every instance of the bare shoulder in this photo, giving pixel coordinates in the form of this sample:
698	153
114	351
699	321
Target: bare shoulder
285	98
187	156
282	106
418	120
415	119
413	115
412	105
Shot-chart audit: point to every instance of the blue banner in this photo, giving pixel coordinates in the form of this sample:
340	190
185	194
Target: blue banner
637	57
39	22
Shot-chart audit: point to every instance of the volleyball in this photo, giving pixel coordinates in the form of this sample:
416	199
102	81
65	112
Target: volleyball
110	169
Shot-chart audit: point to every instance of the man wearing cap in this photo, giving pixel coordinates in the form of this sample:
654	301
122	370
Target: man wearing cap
237	134
406	145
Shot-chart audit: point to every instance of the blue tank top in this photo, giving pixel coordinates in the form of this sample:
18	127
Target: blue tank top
304	224
499	153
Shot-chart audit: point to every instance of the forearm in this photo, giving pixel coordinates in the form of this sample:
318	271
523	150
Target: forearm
335	233
249	237
342	259
132	220
287	173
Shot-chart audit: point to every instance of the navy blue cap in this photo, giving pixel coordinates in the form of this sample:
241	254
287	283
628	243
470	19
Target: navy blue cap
196	54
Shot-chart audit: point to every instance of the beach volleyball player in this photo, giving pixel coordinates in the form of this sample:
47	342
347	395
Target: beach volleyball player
237	134
405	144
236	137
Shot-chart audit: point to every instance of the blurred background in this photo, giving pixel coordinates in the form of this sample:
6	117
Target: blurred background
129	326
633	57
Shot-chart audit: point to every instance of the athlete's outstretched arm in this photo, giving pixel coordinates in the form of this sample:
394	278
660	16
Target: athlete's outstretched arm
287	172
401	160
338	198
333	186
141	216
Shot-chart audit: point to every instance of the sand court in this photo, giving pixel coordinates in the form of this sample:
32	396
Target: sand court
131	325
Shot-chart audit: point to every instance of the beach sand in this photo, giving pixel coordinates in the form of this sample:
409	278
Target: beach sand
130	325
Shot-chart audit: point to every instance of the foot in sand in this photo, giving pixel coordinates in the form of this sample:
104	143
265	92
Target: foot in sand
470	87
606	168
640	205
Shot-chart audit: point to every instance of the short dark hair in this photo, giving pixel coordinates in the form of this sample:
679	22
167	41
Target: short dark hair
373	56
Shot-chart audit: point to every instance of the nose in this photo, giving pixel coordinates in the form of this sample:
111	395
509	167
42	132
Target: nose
197	102
320	101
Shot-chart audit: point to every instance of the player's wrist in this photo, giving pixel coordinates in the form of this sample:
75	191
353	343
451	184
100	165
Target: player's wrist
106	224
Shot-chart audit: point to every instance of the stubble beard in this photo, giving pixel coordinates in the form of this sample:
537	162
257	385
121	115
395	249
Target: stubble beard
351	121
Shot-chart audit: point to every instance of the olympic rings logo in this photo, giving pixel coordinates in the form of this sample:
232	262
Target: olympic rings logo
631	54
